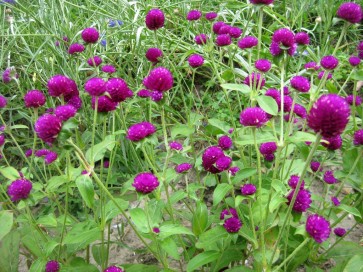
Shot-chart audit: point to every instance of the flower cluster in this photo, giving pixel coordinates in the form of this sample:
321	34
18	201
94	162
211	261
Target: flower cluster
214	160
140	131
232	223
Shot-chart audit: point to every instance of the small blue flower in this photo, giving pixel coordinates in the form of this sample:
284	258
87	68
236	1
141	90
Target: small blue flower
103	42
112	23
13	2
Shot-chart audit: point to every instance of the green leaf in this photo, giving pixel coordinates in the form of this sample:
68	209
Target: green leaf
200	218
49	247
139	218
169	246
83	234
223	126
38	265
220	192
301	136
345	250
211	236
355	264
48	220
301	230
6	223
276	201
9	252
100	149
140	267
183	130
202	259
227	75
78	265
19	126
237	87
111	209
357	75
248	140
247	234
85	187
54	182
172	229
239	269
268	104
10	173
97	253
349	209
243	174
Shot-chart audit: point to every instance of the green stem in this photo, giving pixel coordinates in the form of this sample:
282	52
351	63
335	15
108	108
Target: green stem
292	254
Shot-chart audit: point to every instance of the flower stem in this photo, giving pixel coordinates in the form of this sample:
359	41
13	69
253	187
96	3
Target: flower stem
292	254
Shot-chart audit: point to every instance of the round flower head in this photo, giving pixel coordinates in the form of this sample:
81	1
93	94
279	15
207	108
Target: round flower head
268	148
233	170
302	202
176	146
94	61
225	28
287	103
247	42
275	49
104	103
230	131
254	117
34	99
263	65
65	112
248	189
360	46
340	232
61	85
145	183
156	96
194	15
52	266
232	225
225	142
350	12
217	26
230	212
358	137
95	86
300	111
223	40
159	79
302	38
360	54
322	73
261	2
300	83
312	66
90	35
76	48
269	157
113	269
42	152
156	230
283	37
294	180
314	166
48	127
318	228
143	93
255	80
183	167
329	177
275	94
109	69
350	99
154	54
223	163
19	189
154	19
6	75
329	115
210	157
118	90
201	39
2	139
354	61
329	62
3	101
75	101
235	32
335	201
334	143
140	131
28	153
106	164
196	60
211	15
50	157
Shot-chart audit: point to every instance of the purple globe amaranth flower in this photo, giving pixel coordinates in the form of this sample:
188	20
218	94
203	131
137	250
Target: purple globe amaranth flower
350	99
314	166
156	230
94	61
302	38
42	152
322	73
52	266
230	131
194	15
201	39
268	148
225	142
183	167
269	157
50	157
34	99
65	112
9	74
154	19
48	127
335	201
318	228
61	85
95	86
156	96
354	61
329	115
275	94
358	137
90	35
287	103
248	189
75	48
235	32
223	163
28	153
225	28
223	40
263	65
340	232
113	269
217	26
106	164
350	12
233	170
75	101
302	201
195	60
176	146
210	157
334	143
118	90
19	189
294	180
329	62
312	66
300	111
300	83
253	117
261	2
154	54
143	93
360	46
255	80
140	131
145	183
229	212
284	37
232	225
360	54
109	69
286	90
159	79
211	15
104	103
2	139
329	177
247	42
